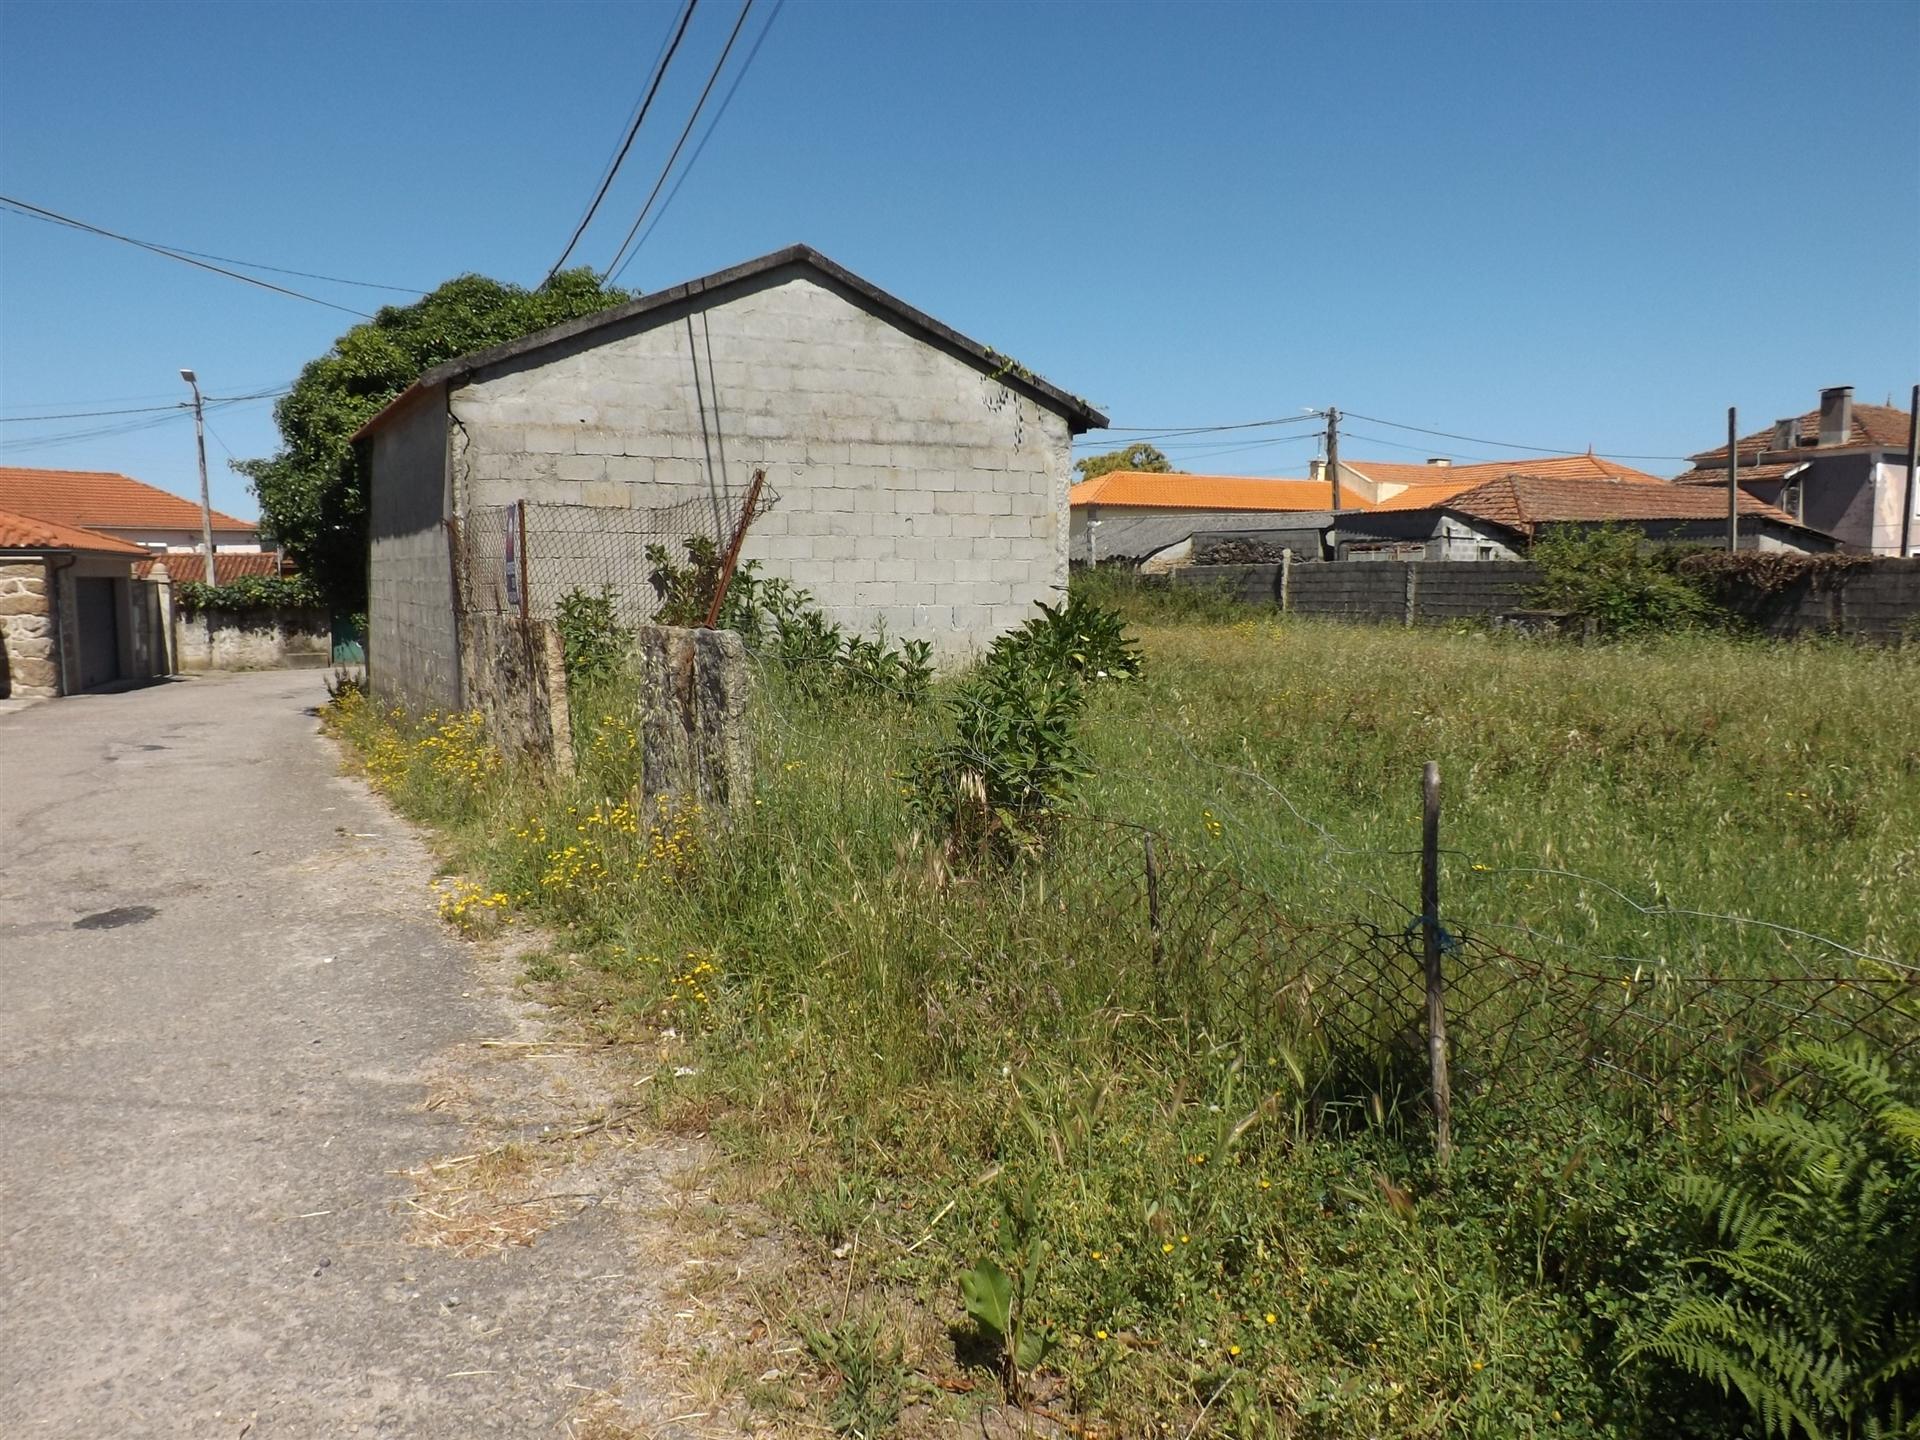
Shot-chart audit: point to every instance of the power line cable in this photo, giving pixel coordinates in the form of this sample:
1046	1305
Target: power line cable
621	256
713	125
633	130
1504	444
89	414
1175	434
36	212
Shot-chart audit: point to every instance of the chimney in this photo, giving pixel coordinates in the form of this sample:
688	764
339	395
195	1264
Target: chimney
1786	434
1317	470
1439	462
1836	414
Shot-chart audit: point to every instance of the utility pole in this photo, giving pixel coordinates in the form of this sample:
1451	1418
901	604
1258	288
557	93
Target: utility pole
200	439
1913	464
1733	481
1333	455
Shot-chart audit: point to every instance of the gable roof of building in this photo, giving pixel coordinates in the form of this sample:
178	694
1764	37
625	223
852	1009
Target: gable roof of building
228	565
1081	415
1394	472
1148	489
1874	426
29	532
92	498
1524	502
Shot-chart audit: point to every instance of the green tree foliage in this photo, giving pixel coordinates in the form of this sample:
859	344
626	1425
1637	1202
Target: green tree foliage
1808	1306
1134	457
313	498
1602	574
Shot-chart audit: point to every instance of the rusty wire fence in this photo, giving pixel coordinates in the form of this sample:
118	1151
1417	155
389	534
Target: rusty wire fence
524	559
1534	1031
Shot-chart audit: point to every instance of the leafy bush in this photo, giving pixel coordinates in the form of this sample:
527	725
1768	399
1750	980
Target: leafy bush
1809	1305
1080	638
592	638
1601	574
993	787
685	591
249	592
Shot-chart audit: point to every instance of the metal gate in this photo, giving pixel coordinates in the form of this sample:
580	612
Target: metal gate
97	620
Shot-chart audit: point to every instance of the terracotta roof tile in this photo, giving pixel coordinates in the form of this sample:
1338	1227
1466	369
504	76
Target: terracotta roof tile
1708	475
1393	472
1873	425
27	532
1139	488
228	566
1524	502
103	498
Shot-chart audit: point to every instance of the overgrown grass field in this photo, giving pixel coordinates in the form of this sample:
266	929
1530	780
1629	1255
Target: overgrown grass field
934	1062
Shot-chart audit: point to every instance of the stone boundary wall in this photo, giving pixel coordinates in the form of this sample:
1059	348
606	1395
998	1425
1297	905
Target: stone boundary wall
251	639
27	663
1879	601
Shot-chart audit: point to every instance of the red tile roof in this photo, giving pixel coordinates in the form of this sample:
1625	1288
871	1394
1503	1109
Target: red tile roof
1524	502
1393	472
26	532
103	498
1707	475
1873	425
227	567
1144	489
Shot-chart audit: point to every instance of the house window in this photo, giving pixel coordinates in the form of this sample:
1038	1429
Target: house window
1485	552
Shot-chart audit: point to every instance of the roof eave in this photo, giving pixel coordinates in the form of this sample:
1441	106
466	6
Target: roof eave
1080	416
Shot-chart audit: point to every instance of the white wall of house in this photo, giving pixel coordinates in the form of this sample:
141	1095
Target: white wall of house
916	491
1889	499
234	542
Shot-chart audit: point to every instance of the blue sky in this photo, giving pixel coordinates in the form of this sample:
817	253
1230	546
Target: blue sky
1555	224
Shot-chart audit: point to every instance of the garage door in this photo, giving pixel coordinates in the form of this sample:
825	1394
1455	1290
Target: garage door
97	618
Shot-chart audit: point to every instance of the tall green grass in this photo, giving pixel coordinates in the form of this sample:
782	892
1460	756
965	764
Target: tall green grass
907	1046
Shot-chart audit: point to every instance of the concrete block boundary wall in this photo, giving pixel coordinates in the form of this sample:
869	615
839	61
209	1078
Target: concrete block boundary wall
1880	601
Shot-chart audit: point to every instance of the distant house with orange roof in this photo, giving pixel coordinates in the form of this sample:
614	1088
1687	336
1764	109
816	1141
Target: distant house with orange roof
1379	481
121	506
1137	495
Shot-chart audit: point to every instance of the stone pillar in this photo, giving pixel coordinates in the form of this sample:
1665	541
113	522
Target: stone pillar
694	745
26	629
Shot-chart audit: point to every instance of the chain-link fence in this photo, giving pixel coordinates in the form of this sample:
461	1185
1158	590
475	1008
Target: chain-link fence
1531	1025
523	559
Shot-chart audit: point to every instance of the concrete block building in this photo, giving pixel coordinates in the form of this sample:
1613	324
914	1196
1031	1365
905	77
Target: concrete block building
923	478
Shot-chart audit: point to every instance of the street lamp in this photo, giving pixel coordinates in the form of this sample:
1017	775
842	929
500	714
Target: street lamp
200	439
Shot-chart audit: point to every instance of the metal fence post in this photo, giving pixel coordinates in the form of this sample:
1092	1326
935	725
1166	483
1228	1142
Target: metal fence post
520	511
1436	986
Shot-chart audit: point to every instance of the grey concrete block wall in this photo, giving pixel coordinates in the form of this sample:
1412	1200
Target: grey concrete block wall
1879	600
412	639
916	491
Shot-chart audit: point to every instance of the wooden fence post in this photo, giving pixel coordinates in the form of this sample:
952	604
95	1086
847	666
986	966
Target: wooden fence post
1436	988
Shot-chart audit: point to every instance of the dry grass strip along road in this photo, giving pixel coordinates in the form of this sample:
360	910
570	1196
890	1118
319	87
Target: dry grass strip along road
222	990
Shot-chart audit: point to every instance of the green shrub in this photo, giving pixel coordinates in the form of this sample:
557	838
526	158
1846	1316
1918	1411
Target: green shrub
595	643
249	592
1601	574
1809	1303
1081	638
993	786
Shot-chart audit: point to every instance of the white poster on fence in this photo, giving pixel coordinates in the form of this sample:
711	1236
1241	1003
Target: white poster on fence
511	557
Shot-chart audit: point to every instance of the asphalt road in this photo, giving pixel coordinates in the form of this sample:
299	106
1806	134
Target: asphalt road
221	987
